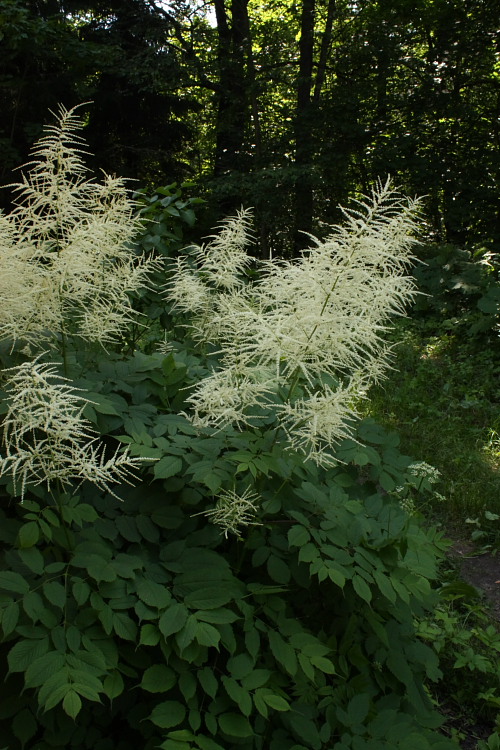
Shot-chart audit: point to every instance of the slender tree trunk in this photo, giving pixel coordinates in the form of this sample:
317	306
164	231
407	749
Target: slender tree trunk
303	127
232	112
326	42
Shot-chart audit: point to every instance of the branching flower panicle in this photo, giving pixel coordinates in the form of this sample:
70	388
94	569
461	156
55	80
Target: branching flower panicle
65	248
46	438
233	511
312	325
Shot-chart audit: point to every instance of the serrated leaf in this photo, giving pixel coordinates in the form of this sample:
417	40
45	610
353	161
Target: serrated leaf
72	704
220	616
256	679
55	593
153	594
24	652
298	536
41	669
168	714
81	592
33	605
10	617
361	588
208	681
210	597
113	684
283	652
207	635
173	619
124	626
158	679
150	635
167	467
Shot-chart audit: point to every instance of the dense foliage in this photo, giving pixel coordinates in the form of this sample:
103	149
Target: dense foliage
237	593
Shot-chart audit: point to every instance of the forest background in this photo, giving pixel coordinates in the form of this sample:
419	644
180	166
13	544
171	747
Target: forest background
310	100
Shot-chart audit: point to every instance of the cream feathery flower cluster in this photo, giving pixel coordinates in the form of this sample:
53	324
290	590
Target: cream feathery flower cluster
46	439
218	265
65	249
233	511
311	325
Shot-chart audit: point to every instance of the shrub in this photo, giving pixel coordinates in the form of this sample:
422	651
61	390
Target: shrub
128	618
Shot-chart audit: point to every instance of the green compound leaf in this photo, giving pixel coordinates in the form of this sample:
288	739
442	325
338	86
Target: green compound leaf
168	714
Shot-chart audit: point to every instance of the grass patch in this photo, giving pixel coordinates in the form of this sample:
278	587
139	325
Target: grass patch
443	400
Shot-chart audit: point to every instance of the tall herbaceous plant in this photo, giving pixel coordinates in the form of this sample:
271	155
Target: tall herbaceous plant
203	545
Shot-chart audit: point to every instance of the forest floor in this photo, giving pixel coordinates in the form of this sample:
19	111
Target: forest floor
482	571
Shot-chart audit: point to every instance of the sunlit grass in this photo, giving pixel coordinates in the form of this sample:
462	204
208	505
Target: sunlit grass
443	400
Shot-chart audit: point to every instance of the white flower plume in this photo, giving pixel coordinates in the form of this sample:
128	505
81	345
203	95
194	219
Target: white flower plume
305	328
65	248
46	439
233	511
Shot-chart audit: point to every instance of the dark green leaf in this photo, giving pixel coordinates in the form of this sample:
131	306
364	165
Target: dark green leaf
210	597
55	593
29	534
158	679
72	704
235	725
167	467
25	652
168	714
152	593
10	617
10	581
173	619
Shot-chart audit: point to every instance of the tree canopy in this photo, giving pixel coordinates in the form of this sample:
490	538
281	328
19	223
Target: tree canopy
309	101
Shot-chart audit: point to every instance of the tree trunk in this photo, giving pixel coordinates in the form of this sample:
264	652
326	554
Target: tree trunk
303	128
